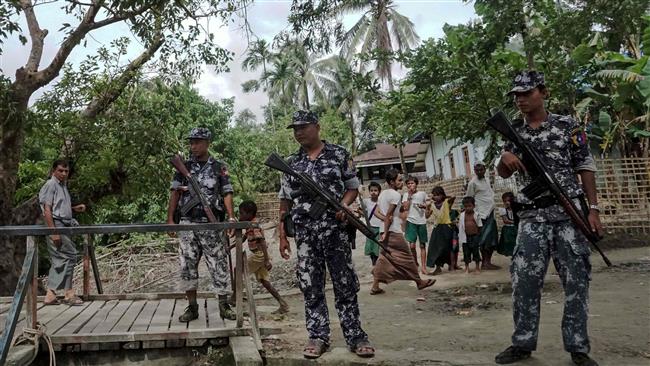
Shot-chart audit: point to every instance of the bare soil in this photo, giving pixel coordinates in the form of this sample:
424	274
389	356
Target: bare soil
471	314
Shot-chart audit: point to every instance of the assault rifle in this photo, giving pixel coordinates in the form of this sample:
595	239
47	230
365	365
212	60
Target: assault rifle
543	181
195	190
322	199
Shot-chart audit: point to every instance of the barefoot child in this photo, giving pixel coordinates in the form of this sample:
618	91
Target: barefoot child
371	248
440	244
469	228
259	262
414	203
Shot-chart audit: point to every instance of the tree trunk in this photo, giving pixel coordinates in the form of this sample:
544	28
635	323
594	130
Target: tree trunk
13	135
353	139
401	159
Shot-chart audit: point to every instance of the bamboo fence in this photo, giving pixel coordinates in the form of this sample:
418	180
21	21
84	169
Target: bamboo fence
623	189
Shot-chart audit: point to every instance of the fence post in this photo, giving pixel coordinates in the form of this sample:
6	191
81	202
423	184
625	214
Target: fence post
32	299
93	262
239	266
86	267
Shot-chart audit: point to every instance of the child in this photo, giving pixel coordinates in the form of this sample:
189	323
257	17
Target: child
259	262
371	248
469	228
508	237
440	244
414	203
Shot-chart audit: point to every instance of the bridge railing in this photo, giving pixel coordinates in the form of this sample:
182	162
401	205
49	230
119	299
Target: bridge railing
26	289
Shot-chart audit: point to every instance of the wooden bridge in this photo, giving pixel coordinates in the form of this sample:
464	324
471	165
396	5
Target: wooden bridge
111	322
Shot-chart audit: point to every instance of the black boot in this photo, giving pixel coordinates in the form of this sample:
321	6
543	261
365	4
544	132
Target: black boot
512	354
582	359
191	313
225	311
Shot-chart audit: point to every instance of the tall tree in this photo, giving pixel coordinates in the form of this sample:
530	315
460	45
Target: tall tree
259	54
162	28
336	78
373	33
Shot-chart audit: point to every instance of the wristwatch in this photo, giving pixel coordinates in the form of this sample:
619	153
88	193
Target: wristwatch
594	207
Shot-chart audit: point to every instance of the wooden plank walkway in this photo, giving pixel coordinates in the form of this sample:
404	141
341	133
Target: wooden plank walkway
108	322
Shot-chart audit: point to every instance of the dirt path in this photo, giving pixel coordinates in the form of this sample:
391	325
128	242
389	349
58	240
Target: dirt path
467	318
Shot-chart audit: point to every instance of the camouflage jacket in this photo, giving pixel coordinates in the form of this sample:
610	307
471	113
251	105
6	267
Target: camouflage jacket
563	147
332	169
212	176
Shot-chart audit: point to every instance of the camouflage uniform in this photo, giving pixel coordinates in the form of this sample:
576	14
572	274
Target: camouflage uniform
548	232
323	242
212	177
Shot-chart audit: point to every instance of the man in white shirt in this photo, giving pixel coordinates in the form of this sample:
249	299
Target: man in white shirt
479	188
414	202
400	264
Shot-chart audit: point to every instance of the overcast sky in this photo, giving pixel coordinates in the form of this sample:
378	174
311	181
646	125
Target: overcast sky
266	18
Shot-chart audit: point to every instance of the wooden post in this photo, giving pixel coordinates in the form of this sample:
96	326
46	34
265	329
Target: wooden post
26	277
255	329
93	262
239	266
32	299
86	267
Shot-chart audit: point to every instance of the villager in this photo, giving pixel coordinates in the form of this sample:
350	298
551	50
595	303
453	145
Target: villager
441	249
479	188
402	265
56	206
414	202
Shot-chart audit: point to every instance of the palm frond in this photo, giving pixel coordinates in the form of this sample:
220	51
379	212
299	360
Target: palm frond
619	75
403	30
354	36
250	86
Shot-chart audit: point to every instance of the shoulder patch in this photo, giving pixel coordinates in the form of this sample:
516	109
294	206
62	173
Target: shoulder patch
578	137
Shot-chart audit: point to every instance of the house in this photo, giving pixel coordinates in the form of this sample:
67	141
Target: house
443	159
372	165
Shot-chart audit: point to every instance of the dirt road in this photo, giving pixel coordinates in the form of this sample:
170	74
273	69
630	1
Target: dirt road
467	319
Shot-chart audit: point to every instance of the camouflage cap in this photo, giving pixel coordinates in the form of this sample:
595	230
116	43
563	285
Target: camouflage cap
200	133
303	117
526	80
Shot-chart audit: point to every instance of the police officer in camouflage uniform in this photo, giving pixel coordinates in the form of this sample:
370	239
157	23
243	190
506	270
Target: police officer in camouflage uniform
545	230
212	177
321	239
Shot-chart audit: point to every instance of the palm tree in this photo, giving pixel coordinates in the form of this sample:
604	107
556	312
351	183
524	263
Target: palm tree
302	63
335	75
258	54
281	80
372	33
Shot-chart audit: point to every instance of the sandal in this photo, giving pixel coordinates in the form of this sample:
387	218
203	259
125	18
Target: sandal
314	349
53	302
376	291
73	301
363	349
428	284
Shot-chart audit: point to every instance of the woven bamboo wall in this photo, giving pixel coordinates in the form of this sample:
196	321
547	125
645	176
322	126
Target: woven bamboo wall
623	189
